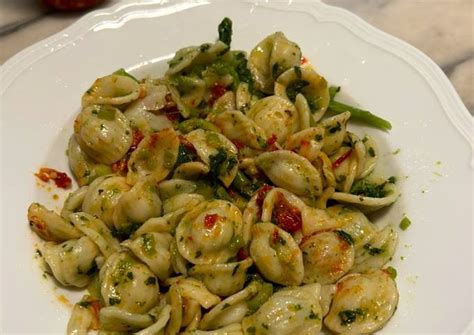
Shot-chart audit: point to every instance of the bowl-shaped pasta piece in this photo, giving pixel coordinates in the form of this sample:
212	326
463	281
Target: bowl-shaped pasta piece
187	57
218	152
237	126
205	235
97	231
378	251
292	172
82	166
289	311
128	284
49	225
223	279
305	81
102	197
73	202
137	205
103	133
335	131
190	171
113	89
306	143
71	261
153	250
276	254
185	201
231	310
371	157
369	195
316	220
276	116
115	319
354	223
270	58
327	256
363	303
154	157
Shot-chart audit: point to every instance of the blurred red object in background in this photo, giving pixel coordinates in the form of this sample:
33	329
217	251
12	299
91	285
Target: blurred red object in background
71	4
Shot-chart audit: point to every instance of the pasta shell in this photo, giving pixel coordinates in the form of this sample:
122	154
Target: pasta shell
237	126
82	166
205	234
335	128
289	311
115	319
49	225
326	257
222	279
185	200
103	196
292	172
242	97
154	157
103	133
231	310
270	58
378	251
306	143
276	254
112	90
276	116
226	102
371	157
305	81
363	303
219	153
190	170
128	284
353	222
137	205
74	202
369	204
71	261
172	187
153	250
97	231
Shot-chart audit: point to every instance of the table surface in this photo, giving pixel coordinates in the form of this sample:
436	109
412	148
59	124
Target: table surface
443	29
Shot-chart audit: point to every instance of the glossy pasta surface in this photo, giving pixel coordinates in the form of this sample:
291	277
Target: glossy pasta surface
224	197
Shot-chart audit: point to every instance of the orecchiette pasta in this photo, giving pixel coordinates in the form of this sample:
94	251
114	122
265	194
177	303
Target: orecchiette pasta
228	197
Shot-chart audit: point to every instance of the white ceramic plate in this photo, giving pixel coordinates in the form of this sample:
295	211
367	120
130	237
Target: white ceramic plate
40	95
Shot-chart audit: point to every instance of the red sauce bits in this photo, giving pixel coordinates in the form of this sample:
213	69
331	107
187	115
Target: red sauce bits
61	179
210	220
261	194
121	166
242	254
217	91
303	60
239	145
171	109
341	159
272	143
188	145
286	216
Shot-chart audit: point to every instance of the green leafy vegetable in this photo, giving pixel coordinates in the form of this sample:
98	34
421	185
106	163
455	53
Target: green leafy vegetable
365	188
360	115
243	185
345	236
333	90
225	31
295	88
349	316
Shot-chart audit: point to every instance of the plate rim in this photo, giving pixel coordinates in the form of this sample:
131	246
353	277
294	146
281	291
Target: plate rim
439	83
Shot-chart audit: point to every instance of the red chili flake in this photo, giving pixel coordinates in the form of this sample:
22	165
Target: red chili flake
172	112
304	143
61	179
136	139
261	194
286	216
239	145
188	145
210	220
303	60
341	159
242	254
121	166
272	140
153	139
275	236
217	91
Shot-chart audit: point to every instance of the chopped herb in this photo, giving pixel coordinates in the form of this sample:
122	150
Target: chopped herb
275	70
298	72
371	152
184	155
336	128
294	307
345	236
264	325
130	275
225	31
251	330
396	152
373	250
405	223
198	254
150	281
148	244
349	316
295	88
122	72
392	180
318	137
204	47
368	189
84	304
313	316
114	301
392	272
